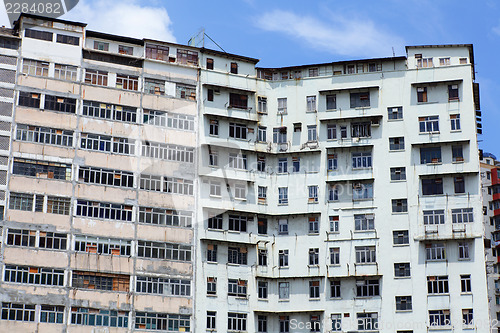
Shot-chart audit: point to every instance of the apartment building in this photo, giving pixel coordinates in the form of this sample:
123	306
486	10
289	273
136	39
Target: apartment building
342	196
491	206
98	146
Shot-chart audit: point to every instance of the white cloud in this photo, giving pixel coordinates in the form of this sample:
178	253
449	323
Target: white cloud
343	36
127	18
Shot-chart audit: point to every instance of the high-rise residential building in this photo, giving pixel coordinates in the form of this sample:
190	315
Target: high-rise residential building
490	176
98	147
153	186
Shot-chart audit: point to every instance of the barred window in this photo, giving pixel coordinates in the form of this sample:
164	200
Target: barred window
35	67
168	251
58	205
62	104
21	201
165	216
29	99
400	237
65	72
162	286
178	186
98	317
402	269
462	215
127	82
108	177
41	169
162	321
52	314
167	152
34	275
403	303
99	78
102	245
18	312
104	210
100	281
44	135
152	86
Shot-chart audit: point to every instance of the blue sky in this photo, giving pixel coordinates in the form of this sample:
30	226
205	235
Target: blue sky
283	33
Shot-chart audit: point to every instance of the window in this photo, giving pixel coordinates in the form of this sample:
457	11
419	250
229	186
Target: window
439	318
364	222
283	258
9	44
455	122
109	111
262	257
463	251
261	163
453	92
295	164
237	255
465	283
402	269
403	303
283	195
365	254
283	226
262	194
400	237
332	162
395	113
361	130
152	86
423	62
107	144
336	322
211	253
334	223
215	188
467	317
284	290
262	104
462	215
44	135
166	152
40	239
127	82
261	324
187	57
361	160
103	210
211	319
312	133
211	285
165	216
429	124
61	104
238	101
108	177
185	92
398	173
41	169
282	107
311	103
457	154
343	132
34	275
51	314
29	99
422	94
236	321
313	72
128	50
335	256
215	222
102	245
430	155
238	223
362	191
18	312
262	289
101	46
367	288
397	143
331	102
313	194
100	281
261	134
65	72
237	131
237	288
214	127
459	183
157	52
314	289
238	161
96	77
162	321
167	251
234	68
65	39
367	321
444	61
435	251
37	34
313	257
34	67
210	63
399	205
331	131
335	289
359	100
279	135
213	158
432	186
21	201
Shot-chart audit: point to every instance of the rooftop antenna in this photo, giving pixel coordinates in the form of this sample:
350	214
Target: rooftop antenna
393	53
198	40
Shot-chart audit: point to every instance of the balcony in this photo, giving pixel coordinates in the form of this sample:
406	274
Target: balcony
230	112
447	231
